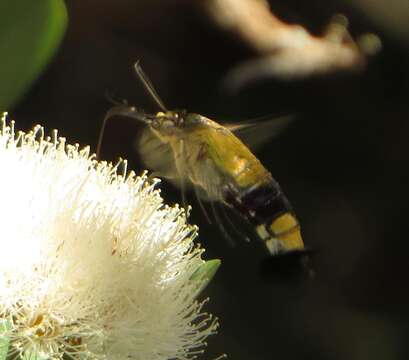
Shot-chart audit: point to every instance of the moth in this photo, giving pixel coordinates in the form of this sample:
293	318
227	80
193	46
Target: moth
191	150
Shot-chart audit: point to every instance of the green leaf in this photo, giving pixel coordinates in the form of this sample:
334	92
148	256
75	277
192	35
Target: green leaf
4	341
204	273
30	32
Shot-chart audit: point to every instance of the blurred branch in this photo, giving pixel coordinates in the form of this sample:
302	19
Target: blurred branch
392	16
284	50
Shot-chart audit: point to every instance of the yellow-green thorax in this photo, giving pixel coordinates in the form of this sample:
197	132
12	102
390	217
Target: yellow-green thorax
207	141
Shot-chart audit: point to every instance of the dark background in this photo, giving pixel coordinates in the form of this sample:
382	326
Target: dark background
343	164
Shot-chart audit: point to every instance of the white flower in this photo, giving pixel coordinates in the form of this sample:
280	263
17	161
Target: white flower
92	263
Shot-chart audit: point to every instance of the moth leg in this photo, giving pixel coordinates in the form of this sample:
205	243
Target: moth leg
221	226
180	161
202	207
230	223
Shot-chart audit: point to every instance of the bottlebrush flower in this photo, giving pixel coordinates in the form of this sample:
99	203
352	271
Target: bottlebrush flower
92	263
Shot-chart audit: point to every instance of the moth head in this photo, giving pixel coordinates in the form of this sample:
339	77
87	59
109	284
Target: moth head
168	123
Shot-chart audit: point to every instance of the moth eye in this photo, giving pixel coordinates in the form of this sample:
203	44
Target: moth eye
155	123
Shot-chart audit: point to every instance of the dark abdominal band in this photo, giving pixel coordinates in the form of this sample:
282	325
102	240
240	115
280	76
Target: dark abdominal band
260	204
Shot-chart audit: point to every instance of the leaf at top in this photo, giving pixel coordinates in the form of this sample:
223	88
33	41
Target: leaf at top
30	32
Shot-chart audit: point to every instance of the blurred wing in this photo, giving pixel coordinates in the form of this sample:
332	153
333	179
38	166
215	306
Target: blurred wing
157	156
256	133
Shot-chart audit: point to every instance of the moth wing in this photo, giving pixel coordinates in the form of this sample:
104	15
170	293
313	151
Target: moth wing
164	161
256	133
157	156
212	170
210	182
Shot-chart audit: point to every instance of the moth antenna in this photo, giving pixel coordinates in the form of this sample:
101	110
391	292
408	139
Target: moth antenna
121	110
148	86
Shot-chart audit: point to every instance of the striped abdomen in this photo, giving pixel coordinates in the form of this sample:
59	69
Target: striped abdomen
268	209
